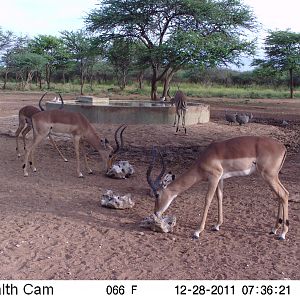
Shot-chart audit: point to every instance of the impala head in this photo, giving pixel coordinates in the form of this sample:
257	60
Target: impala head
119	145
158	186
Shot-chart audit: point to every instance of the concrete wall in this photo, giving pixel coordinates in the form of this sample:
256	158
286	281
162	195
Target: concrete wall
196	113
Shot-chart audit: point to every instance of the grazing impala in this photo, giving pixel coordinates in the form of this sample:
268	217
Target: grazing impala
239	156
73	123
25	124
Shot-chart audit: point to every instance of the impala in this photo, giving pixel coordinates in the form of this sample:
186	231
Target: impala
238	156
25	124
179	101
72	123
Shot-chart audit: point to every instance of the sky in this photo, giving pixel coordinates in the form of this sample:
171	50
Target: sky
50	17
47	17
33	17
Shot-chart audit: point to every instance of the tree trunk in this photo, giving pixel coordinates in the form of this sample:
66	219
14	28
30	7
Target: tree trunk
140	79
81	77
154	83
48	75
167	81
291	84
5	80
63	76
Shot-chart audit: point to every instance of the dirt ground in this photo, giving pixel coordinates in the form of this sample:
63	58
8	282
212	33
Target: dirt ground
53	227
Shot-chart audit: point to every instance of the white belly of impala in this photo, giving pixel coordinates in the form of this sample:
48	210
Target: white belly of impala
239	167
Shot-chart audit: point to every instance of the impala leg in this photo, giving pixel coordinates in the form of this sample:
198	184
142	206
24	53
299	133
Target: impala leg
283	195
55	146
20	128
278	219
24	133
175	120
178	121
220	205
183	121
77	152
89	170
29	157
209	196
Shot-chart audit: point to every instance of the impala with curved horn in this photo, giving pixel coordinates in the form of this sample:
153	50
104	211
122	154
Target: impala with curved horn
75	124
25	124
119	145
238	156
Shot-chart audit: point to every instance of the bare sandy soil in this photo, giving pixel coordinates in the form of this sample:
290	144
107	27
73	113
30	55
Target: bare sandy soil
53	227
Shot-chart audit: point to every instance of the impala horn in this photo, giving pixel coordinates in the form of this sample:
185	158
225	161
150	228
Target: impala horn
62	101
119	144
40	102
60	97
156	184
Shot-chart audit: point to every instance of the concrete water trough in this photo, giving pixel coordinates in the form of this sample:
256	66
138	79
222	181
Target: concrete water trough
103	110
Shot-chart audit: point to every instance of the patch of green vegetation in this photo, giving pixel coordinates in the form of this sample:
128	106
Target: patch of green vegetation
192	90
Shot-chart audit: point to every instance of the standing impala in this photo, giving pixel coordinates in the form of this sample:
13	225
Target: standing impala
239	156
181	107
73	123
25	124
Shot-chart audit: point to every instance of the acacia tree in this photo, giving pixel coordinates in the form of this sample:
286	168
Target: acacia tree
25	64
121	54
176	32
49	47
282	51
16	45
83	49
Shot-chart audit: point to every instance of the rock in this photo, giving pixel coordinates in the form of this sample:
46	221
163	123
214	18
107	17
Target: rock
120	170
111	200
164	224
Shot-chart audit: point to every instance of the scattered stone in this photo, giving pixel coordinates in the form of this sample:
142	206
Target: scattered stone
111	200
164	224
120	170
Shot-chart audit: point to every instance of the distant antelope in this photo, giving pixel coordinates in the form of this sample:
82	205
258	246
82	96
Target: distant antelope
25	124
179	101
238	156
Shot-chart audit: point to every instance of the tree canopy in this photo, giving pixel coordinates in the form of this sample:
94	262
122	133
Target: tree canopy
176	33
282	54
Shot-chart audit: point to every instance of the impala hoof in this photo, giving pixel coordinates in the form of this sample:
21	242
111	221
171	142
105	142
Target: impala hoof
281	238
215	228
65	160
195	236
